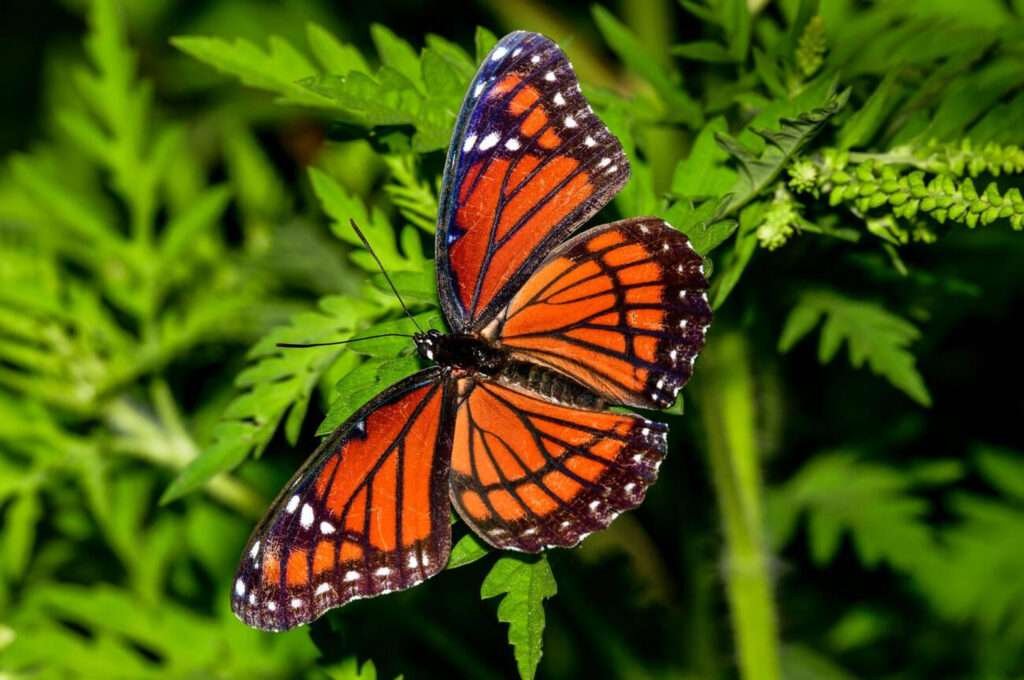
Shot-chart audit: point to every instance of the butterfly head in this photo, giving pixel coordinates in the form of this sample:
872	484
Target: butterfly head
429	343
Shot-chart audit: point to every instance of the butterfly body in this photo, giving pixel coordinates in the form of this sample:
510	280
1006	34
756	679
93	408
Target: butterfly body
510	425
461	353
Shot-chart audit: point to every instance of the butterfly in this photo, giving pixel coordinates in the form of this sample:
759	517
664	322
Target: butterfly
511	423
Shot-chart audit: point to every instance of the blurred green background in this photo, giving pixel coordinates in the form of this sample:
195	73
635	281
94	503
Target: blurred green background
844	492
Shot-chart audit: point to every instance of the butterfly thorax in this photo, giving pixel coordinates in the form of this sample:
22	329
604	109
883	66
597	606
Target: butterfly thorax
469	354
460	351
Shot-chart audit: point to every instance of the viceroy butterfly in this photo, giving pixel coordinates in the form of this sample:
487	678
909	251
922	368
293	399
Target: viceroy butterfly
511	423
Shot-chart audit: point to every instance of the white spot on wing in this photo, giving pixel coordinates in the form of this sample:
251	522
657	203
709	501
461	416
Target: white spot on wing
413	562
512	144
254	550
252	598
499	53
293	503
352	576
239	587
306	518
535	59
559	99
549	76
489	141
468	144
603	162
296	603
589	141
516	51
272	606
383	571
323	588
326	528
570	122
479	88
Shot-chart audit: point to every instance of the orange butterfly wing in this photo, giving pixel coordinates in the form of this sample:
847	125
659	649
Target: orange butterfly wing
367	514
528	473
621	309
529	163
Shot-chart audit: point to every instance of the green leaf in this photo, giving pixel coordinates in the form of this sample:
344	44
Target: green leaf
343	207
334	56
125	631
980	576
699	224
841	493
523	585
734	262
397	53
469	549
202	216
484	41
862	126
703	50
351	669
971	96
759	170
704	173
280	381
279	69
875	336
414	197
1003	468
677	104
20	532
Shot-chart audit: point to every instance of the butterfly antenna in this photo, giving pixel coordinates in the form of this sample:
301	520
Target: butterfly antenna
380	265
292	345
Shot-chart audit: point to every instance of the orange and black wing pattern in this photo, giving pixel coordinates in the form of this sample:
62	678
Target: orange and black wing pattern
528	473
621	309
529	162
367	514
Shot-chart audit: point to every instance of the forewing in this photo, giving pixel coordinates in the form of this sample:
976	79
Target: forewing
367	514
621	308
529	162
528	473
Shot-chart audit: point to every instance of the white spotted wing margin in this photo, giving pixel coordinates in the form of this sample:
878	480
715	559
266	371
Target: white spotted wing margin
367	514
524	108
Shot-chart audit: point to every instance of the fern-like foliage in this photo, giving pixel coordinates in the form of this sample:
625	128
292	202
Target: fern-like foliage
780	146
875	337
841	493
422	91
101	290
523	585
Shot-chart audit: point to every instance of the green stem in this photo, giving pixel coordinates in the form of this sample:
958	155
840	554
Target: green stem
726	401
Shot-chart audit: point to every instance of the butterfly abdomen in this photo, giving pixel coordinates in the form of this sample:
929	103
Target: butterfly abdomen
550	384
